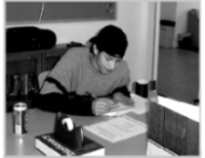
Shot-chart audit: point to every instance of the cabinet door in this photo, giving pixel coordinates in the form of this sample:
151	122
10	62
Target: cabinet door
180	134
52	56
192	137
170	128
155	122
175	132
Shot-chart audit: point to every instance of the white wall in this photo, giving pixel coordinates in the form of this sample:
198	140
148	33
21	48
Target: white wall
135	18
168	10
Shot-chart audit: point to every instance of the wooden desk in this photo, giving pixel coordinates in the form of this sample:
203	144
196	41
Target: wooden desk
40	122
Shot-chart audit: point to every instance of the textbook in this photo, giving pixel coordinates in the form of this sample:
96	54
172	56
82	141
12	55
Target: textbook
50	146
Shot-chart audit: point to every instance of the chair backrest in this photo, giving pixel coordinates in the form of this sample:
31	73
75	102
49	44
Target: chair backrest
41	77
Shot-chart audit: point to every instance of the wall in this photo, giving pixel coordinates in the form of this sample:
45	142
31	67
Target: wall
134	18
168	10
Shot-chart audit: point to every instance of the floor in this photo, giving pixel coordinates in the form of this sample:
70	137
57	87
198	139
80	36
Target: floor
154	149
178	74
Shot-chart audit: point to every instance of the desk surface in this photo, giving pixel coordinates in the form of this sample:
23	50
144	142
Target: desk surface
40	122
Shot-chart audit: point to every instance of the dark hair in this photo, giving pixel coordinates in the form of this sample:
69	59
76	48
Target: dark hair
112	40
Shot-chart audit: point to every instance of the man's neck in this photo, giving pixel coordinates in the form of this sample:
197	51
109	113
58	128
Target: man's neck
93	59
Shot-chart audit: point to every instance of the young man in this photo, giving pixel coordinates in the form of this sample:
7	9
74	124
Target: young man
89	80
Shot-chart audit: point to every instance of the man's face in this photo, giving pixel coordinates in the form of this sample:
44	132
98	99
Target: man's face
107	63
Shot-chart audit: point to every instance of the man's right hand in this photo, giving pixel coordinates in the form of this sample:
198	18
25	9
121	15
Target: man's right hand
102	105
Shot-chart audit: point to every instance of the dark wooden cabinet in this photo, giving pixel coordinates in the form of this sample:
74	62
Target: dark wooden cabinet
173	131
192	138
23	68
23	62
155	122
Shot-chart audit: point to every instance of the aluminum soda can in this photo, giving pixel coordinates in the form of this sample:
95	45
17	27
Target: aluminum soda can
19	118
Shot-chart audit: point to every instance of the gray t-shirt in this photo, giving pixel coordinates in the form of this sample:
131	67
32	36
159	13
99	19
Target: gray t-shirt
75	72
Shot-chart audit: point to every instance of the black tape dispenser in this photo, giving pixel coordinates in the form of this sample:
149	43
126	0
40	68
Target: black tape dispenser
67	132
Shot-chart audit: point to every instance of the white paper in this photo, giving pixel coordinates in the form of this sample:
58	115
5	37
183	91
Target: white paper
117	129
139	107
119	109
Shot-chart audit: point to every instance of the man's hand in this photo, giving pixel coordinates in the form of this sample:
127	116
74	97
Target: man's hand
102	105
119	97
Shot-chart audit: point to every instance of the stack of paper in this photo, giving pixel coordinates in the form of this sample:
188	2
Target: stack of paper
117	129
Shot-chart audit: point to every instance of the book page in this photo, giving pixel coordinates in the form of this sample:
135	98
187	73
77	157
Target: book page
139	107
117	129
119	110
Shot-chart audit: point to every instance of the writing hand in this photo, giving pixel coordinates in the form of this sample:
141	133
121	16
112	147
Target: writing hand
102	105
118	97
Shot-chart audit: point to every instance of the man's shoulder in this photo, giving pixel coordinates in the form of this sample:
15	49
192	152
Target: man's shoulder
76	53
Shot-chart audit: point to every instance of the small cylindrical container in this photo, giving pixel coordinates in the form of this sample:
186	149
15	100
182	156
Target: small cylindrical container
19	118
141	88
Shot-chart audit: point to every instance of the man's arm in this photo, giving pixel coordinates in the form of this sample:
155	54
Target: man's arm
64	101
71	104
